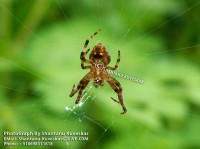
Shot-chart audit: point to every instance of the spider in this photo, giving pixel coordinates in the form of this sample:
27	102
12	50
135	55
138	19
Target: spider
98	62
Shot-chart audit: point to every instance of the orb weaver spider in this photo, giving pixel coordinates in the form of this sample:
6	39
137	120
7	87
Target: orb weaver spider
98	62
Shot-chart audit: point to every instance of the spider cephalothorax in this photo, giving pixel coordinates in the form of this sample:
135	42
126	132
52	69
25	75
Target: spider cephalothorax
98	64
99	53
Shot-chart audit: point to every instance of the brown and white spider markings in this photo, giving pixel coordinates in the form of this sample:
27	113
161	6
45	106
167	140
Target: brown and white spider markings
98	64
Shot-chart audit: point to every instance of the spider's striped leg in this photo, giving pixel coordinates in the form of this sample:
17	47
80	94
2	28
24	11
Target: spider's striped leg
118	89
88	40
85	83
82	57
87	51
74	90
85	67
117	63
82	84
83	53
117	101
84	60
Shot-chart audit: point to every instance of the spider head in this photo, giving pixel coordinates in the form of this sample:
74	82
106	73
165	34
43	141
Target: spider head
99	53
98	50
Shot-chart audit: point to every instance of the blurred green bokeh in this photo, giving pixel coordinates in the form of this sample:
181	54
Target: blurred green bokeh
40	45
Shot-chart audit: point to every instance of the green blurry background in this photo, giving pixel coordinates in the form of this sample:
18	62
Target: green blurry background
159	40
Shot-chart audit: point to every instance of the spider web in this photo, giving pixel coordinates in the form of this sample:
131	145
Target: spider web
75	118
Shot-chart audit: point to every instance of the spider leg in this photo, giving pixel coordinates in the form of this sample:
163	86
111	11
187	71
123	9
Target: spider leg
117	101
81	86
117	63
87	51
95	84
82	57
85	60
83	53
116	86
80	91
85	67
74	90
88	40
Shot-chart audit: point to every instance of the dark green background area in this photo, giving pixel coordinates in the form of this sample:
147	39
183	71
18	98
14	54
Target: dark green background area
159	40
